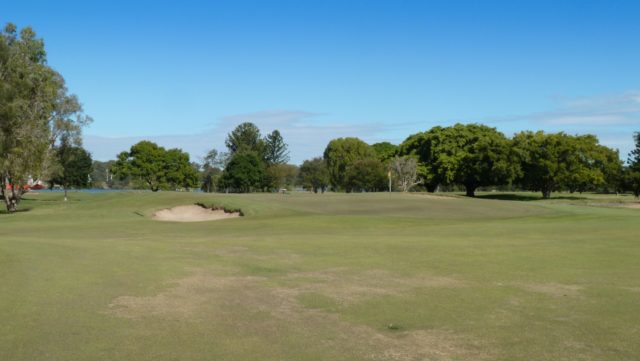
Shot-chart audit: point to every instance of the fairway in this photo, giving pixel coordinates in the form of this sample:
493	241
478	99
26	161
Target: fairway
320	277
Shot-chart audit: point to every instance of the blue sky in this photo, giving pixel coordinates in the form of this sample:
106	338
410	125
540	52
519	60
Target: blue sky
184	73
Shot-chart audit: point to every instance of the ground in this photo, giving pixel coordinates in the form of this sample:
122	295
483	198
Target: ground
321	277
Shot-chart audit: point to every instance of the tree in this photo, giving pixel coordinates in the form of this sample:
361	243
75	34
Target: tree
179	171
244	173
340	154
612	168
76	167
34	110
405	170
314	175
275	149
556	161
472	155
475	155
385	150
278	176
593	166
156	167
245	138
365	175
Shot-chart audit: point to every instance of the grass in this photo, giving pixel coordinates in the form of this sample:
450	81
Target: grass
321	277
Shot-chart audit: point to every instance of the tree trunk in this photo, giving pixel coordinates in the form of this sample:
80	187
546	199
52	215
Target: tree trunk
11	203
65	194
431	188
471	191
546	193
11	198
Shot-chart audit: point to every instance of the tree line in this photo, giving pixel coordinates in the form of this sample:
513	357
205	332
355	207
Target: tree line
460	157
473	156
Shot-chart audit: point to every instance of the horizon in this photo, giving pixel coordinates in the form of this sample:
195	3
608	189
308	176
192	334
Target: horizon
185	75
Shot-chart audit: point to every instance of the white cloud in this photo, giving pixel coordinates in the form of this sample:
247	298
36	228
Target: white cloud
607	110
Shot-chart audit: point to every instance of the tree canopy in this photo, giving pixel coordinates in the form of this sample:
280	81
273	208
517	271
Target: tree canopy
155	167
471	155
275	149
35	110
385	150
366	175
340	154
555	161
244	173
245	138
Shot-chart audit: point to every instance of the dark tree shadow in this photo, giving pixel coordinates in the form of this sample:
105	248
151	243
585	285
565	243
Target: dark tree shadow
525	197
19	210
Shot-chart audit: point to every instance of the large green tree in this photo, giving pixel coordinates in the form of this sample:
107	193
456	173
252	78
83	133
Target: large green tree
314	175
558	161
471	155
244	173
475	155
155	167
340	154
35	110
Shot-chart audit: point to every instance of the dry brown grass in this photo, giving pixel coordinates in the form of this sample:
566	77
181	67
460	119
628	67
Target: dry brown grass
553	289
348	288
204	292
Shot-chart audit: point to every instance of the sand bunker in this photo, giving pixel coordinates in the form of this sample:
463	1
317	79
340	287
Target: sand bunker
193	213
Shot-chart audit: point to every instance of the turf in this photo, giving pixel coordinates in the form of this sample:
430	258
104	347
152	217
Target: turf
321	277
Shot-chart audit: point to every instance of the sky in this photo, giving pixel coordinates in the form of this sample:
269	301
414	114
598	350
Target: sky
185	73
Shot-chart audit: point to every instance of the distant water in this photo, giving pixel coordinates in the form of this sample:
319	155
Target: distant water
100	190
89	190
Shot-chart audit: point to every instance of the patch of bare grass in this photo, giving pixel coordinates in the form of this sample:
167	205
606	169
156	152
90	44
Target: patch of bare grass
192	297
349	288
553	289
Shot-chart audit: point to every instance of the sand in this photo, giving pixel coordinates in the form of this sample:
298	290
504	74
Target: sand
192	213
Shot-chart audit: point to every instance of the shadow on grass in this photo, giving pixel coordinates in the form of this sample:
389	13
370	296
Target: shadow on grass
525	197
29	199
19	210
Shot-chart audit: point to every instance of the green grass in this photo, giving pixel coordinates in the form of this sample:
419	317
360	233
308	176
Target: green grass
321	277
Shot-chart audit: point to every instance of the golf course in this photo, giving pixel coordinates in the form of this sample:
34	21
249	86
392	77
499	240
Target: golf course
370	276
